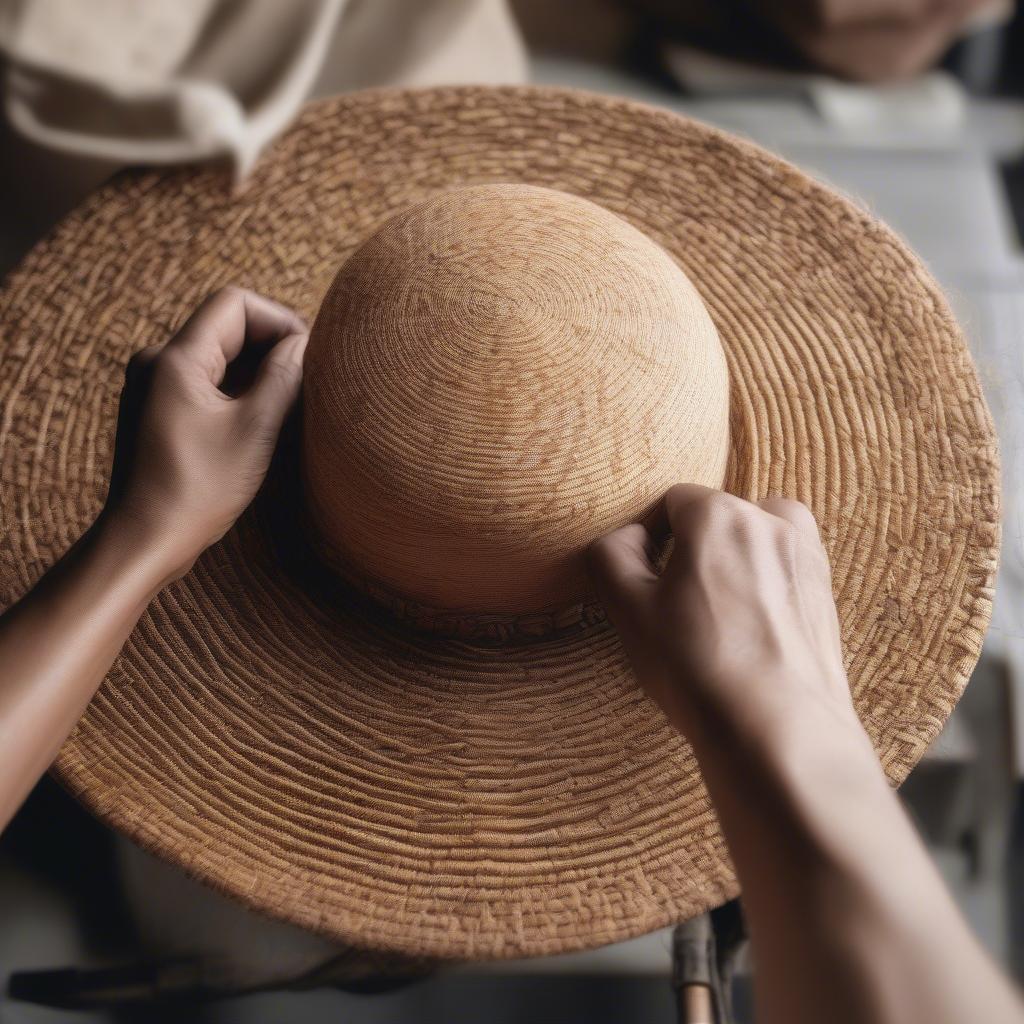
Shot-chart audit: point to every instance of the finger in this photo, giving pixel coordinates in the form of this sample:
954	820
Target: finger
692	509
622	563
226	321
277	382
794	512
679	504
698	516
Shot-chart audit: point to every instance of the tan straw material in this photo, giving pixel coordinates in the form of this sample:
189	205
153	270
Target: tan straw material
498	376
285	740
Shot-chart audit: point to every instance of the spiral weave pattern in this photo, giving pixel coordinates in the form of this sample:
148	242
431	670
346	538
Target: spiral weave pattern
413	794
499	376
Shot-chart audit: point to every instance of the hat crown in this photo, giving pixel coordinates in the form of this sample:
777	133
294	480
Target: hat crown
496	377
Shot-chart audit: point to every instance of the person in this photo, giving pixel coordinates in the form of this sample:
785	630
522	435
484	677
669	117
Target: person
737	640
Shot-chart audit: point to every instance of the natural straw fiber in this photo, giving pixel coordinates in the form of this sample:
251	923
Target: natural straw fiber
294	746
498	376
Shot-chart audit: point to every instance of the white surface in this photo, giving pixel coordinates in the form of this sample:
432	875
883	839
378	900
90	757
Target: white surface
931	106
650	954
992	126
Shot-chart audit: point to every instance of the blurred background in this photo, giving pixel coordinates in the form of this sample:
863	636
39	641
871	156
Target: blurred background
913	108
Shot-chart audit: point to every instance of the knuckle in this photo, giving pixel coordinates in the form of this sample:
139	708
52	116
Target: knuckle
729	504
227	293
680	495
789	505
796	512
224	299
702	514
711	512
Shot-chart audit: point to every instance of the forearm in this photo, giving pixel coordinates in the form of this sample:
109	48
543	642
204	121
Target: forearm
57	644
848	917
188	459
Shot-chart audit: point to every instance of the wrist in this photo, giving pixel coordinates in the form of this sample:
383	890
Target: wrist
147	552
785	739
791	782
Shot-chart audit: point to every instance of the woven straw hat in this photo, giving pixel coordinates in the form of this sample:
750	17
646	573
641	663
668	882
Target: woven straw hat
384	706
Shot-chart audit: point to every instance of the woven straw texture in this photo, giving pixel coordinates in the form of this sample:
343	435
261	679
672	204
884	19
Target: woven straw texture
425	795
497	377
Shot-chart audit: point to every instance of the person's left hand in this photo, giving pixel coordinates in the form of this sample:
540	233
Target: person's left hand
194	437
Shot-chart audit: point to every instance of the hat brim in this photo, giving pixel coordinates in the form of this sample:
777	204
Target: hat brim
434	798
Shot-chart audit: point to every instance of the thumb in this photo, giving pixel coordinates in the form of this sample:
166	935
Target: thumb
277	382
622	566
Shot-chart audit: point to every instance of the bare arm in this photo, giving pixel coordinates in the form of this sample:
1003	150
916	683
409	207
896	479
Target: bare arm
189	459
738	641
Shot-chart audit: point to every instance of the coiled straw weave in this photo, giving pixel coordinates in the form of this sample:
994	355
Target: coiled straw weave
297	749
500	375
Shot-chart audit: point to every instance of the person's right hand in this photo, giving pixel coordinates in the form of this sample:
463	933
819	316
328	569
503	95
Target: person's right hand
738	636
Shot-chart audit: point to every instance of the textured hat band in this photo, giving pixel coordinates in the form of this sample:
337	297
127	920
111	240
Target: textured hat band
486	628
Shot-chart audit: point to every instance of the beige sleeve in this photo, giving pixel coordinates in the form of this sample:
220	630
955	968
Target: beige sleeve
174	81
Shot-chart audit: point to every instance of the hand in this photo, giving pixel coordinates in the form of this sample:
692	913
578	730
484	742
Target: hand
193	441
739	633
738	640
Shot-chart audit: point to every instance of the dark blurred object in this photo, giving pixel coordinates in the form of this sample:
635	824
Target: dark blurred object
705	954
1013	181
37	187
877	40
190	982
600	31
862	40
1010	75
36	845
